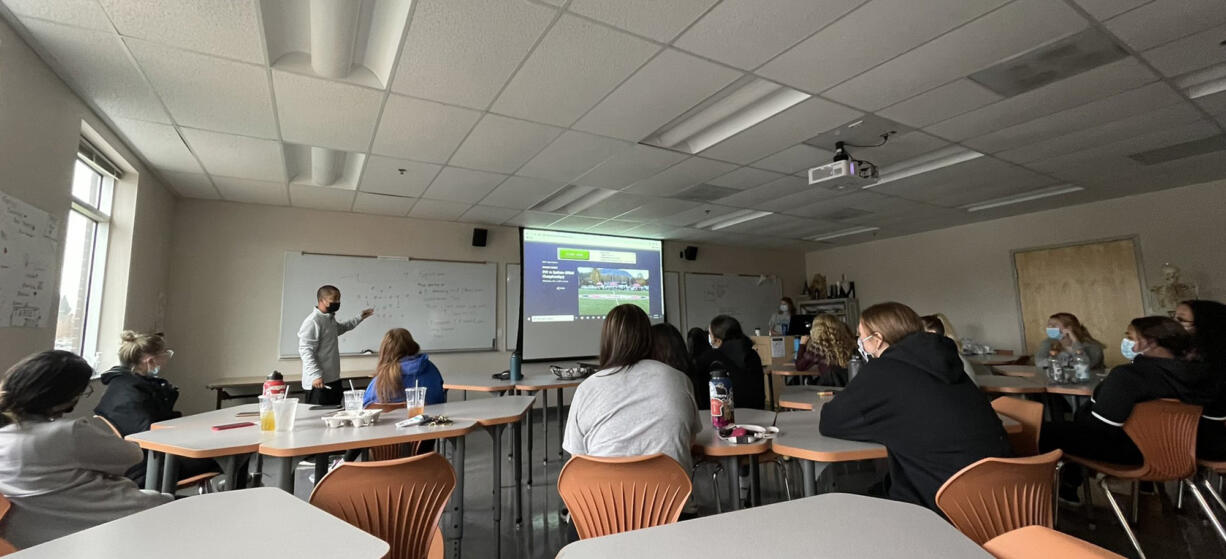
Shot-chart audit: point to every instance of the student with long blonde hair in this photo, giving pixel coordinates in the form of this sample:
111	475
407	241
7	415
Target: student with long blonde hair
828	346
1066	336
403	365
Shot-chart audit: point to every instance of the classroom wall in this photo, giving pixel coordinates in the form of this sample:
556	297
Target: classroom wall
967	271
40	125
224	308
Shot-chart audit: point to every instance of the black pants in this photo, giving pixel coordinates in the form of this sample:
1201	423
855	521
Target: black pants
1088	437
329	395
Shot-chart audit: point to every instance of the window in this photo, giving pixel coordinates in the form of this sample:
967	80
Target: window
85	242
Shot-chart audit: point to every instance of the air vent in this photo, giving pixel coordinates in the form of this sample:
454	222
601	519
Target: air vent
353	40
1050	63
1180	151
845	214
316	166
705	193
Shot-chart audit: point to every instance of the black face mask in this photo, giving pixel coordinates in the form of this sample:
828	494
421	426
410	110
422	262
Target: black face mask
333	307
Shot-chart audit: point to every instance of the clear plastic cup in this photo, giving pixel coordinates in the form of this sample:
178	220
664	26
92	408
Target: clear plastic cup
267	419
353	399
284	412
415	400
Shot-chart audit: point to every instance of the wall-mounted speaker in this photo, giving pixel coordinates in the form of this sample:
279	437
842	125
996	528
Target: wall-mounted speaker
479	237
690	253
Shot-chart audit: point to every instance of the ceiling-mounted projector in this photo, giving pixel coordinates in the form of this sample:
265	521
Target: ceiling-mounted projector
847	174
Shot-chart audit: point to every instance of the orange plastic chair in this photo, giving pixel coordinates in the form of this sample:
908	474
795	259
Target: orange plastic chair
390	451
1218	468
437	549
108	423
997	495
613	495
6	547
1165	433
1030	415
1041	542
5	505
398	501
203	482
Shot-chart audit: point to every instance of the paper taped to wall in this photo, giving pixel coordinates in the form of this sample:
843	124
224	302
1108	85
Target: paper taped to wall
28	250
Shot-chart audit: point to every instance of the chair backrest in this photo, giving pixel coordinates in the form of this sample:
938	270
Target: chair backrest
6	547
397	501
385	407
390	451
1030	415
996	495
1165	433
108	423
611	495
1040	542
5	505
438	547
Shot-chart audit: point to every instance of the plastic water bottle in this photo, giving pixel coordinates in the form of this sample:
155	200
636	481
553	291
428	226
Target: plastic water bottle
1055	368
1081	367
516	373
853	366
720	388
275	385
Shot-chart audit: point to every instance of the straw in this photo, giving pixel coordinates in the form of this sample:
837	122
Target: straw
351	385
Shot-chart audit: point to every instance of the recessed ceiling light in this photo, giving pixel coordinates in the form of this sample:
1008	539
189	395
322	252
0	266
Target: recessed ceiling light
926	163
739	106
1024	197
844	233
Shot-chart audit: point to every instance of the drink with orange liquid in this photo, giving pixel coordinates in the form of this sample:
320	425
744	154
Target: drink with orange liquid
415	400
267	420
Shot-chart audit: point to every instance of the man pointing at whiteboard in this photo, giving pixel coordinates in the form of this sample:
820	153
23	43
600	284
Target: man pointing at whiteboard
317	344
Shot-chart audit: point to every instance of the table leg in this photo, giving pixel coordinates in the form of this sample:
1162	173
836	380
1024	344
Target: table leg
755	489
770	386
153	471
733	470
458	451
220	391
809	478
170	474
517	460
545	427
528	423
229	467
561	435
284	467
496	463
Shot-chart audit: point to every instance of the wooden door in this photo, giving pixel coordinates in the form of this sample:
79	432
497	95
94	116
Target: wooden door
1098	282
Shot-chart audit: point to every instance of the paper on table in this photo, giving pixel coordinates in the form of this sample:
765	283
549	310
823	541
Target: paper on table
777	347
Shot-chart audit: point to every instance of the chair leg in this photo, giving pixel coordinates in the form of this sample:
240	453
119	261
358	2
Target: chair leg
783	477
1136	501
1055	496
1119	514
719	503
1179	498
1204	506
1217	496
1087	503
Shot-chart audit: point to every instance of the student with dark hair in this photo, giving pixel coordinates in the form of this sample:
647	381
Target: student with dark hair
1157	346
634	405
668	348
734	350
61	475
1205	321
699	342
319	348
913	397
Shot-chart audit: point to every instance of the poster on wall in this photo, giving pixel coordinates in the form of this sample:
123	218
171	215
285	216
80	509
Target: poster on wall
28	249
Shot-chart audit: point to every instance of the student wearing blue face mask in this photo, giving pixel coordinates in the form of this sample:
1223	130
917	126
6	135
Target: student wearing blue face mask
1065	337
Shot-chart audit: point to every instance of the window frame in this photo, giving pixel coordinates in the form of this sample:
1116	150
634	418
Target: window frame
100	216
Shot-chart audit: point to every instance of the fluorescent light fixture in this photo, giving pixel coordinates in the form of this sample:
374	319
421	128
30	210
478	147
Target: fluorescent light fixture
1203	83
738	107
1024	197
588	200
928	162
563	198
729	219
844	233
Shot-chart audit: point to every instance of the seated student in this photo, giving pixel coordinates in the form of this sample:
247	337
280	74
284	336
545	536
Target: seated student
1066	336
735	352
1205	321
828	346
1157	346
402	365
61	475
136	397
668	348
634	405
939	325
699	342
913	397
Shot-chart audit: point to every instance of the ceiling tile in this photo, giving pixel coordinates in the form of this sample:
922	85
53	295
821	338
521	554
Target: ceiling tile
681	176
326	113
438	210
900	148
653	231
190	185
252	192
1215	104
766	197
79	13
951	99
745	178
1104	9
383	175
614	227
658	207
576	223
463	51
237	156
1081	139
333	199
802	202
503	144
534	219
794	159
382	205
1166	20
615	205
159	144
661	21
462	185
867	37
574	66
571	155
521	192
98	65
799	122
960	184
694	215
630	166
976	45
1109	160
1100	82
671	84
488	215
422	130
1189	53
220	27
746	33
236	100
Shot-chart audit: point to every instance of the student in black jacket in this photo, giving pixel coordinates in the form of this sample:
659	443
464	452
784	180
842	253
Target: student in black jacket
699	342
733	349
1158	347
1205	321
914	397
137	397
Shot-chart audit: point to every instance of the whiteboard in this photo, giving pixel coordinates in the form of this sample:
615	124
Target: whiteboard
447	306
708	295
29	249
672	300
514	279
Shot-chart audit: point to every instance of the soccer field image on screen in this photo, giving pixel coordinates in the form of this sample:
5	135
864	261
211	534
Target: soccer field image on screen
601	289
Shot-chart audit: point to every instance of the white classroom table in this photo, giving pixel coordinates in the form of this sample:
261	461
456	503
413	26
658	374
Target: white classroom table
708	443
262	523
832	526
